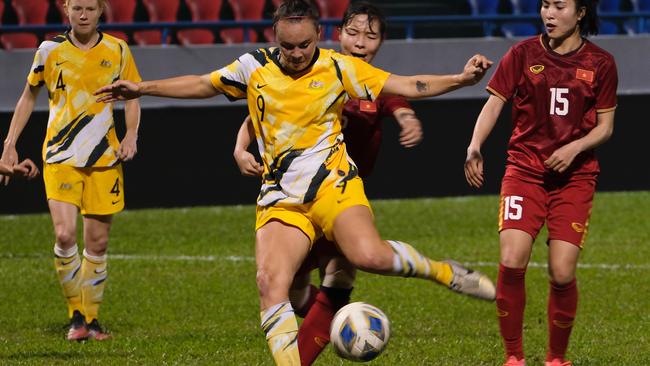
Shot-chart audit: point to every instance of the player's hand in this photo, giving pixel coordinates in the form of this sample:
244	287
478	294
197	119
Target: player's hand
9	158
119	90
475	69
562	158
128	147
27	169
411	133
247	164
474	167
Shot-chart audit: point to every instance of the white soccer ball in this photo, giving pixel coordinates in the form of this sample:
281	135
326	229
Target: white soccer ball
359	332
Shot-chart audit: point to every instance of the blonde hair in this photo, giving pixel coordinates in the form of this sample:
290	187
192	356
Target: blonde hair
101	3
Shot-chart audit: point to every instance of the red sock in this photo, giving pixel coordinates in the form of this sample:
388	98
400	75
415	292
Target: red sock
303	310
562	305
511	301
314	332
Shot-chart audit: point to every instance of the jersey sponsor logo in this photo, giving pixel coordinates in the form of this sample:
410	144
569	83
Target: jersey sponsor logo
316	84
258	86
536	69
578	227
586	75
59	63
367	106
105	63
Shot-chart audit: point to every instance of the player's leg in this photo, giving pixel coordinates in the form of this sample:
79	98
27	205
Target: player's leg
68	264
522	212
63	187
94	271
103	196
280	249
338	276
569	211
516	247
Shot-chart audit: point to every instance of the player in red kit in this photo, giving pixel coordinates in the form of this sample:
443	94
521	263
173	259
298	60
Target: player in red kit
563	93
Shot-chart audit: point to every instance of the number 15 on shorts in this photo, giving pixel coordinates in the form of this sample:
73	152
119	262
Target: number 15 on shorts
512	209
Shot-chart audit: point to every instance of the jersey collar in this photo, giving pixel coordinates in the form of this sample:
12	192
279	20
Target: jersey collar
99	39
275	57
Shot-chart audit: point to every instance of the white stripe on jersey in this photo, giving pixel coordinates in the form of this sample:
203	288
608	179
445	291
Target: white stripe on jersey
243	72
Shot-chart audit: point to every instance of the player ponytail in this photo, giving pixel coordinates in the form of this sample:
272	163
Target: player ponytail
589	22
296	10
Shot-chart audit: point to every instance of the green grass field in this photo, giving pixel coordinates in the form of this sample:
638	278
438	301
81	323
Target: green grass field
181	289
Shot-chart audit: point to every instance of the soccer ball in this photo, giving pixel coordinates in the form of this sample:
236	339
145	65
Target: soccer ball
359	332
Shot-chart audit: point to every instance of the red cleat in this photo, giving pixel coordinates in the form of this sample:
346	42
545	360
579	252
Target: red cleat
96	332
513	361
78	330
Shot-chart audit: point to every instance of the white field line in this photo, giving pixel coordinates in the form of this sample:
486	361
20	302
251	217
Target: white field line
236	258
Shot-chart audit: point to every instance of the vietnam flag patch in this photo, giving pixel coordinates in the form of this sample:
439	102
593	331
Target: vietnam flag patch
367	106
585	75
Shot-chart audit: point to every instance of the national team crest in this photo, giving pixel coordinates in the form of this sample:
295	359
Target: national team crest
536	69
105	63
316	84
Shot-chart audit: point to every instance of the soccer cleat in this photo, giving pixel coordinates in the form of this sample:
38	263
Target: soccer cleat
513	361
557	362
470	282
78	330
96	332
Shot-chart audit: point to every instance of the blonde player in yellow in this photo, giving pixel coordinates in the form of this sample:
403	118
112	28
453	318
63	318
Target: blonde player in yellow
310	187
82	154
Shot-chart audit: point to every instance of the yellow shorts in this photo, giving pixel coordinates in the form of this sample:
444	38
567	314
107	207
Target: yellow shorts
96	191
317	217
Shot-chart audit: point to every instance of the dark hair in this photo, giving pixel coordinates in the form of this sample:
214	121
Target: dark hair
297	10
364	7
589	23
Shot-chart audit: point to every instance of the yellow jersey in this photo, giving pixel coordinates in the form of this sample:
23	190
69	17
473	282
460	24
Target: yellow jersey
297	120
80	131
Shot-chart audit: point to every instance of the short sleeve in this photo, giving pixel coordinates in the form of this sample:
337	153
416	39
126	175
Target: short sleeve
360	79
607	83
392	103
504	81
233	79
36	74
129	70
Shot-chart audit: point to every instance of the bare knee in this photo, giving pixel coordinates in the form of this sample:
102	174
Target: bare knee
273	287
561	275
96	244
372	257
65	236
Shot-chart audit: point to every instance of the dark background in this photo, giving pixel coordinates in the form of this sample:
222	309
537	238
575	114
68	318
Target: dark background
185	156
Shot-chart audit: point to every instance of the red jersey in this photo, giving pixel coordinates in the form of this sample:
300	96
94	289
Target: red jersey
362	128
556	99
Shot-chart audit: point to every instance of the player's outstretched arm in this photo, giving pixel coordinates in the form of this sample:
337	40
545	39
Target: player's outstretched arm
246	162
562	158
24	109
422	86
484	125
184	87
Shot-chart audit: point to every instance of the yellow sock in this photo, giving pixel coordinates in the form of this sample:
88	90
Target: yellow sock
93	279
68	267
281	328
408	262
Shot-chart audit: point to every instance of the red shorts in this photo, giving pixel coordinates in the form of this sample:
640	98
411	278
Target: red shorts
565	207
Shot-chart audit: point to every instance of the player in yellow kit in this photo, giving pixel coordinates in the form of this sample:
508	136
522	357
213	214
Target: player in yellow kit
82	154
310	187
